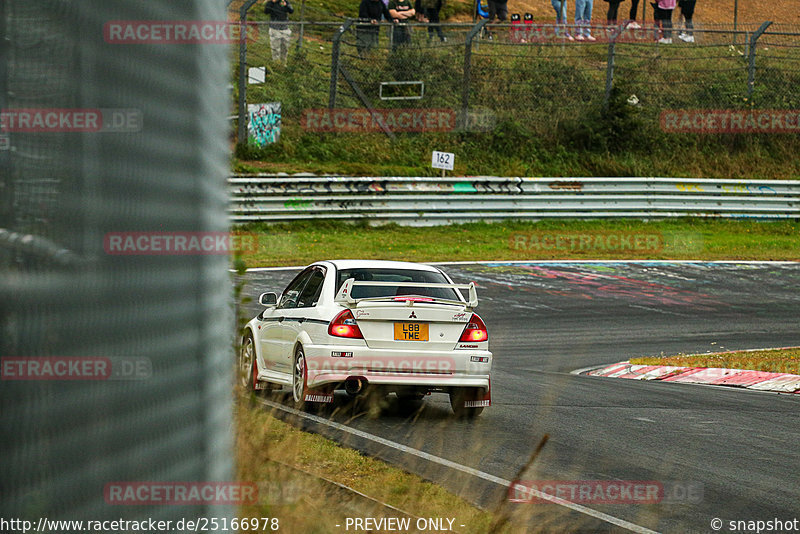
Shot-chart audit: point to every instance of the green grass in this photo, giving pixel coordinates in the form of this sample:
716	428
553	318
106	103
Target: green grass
685	239
267	445
775	361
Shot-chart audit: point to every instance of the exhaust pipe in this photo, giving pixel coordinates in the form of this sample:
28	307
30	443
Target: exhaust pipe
354	386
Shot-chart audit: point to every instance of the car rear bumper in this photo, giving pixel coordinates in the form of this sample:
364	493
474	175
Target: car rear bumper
433	369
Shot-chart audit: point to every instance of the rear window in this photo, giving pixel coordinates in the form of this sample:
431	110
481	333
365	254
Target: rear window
404	278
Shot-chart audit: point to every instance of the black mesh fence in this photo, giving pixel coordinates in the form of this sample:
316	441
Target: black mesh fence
115	364
537	75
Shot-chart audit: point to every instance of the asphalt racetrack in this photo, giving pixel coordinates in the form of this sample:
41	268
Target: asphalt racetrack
740	448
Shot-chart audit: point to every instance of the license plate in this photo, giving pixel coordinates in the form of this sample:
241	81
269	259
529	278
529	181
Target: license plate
411	331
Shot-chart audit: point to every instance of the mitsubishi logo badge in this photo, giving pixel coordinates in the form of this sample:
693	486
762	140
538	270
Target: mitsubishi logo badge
412	316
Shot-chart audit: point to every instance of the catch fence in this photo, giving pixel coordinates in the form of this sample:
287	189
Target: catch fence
531	74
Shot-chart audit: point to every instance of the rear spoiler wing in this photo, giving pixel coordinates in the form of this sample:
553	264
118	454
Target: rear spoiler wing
344	296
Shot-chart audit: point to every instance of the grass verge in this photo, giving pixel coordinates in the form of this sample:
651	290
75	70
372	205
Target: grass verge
286	464
685	239
773	361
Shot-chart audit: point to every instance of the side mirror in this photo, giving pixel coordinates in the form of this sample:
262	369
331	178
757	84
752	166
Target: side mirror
268	299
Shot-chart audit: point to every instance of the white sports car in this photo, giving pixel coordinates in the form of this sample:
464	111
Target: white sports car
356	324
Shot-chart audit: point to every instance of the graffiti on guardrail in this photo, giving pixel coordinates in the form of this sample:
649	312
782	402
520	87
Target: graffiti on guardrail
754	189
510	186
748	188
472	198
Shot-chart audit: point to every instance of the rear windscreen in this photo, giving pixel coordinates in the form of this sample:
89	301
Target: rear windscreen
404	278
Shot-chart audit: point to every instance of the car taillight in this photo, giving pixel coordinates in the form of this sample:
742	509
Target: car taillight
344	325
475	330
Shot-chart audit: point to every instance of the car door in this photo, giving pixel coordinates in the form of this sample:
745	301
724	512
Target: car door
274	335
302	316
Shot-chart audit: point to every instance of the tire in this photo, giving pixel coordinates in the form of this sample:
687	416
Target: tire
409	403
457	398
299	378
247	364
406	398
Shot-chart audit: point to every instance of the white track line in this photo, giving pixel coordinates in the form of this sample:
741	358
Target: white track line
463	468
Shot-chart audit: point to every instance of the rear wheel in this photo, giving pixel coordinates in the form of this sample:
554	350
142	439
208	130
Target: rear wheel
248	371
459	396
299	378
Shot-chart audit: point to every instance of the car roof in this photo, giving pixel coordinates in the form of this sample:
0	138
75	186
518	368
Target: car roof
379	264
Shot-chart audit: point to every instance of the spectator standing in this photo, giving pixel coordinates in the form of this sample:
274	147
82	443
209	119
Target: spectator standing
634	12
367	34
687	11
613	8
662	13
402	12
431	8
583	20
498	9
561	16
279	32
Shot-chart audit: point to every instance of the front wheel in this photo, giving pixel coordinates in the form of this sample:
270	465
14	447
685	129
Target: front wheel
458	396
299	378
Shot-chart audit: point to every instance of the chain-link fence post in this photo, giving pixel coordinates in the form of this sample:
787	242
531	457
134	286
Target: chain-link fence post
612	45
302	26
751	74
337	38
241	136
465	85
7	180
747	44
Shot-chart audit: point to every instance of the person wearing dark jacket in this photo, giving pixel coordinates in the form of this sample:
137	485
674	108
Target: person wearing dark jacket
402	12
367	34
279	32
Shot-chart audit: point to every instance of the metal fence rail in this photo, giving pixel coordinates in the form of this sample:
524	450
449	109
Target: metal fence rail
430	201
